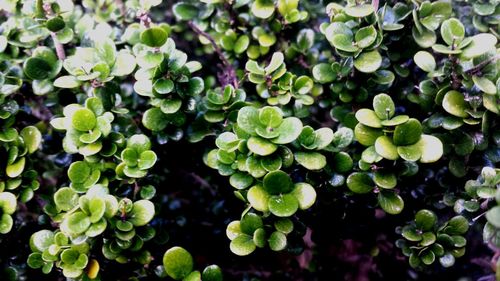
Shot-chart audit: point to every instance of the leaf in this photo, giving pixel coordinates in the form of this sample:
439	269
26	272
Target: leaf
41	240
283	205
261	146
155	37
359	11
305	194
15	169
323	73
277	182
263	8
178	263
67	82
425	61
65	199
454	103
368	118
311	160
289	130
368	62
242	245
457	225
385	180
485	85
383	106
366	135
385	148
36	68
258	198
212	273
78	222
8	202
365	36
248	119
360	183
481	44
407	133
277	241
493	216
390	202
142	213
425	220
184	11
83	119
344	42
431	149
276	62
452	31
154	119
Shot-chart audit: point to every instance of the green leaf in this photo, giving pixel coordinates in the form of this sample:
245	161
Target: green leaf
385	180
493	216
154	119
360	183
289	130
277	182
250	222
79	172
36	68
452	31
366	135
344	42
258	198
385	148
365	36
263	8
184	11
431	149
242	245
55	24
142	213
457	225
428	257
156	36
178	263
261	146
67	82
248	119
311	160
425	61
383	106
78	222
407	133
283	205
485	85
15	169
65	199
368	62
481	44
241	44
368	118
305	194
41	240
425	220
390	202
323	73
275	63
146	160
359	11
8	203
277	241
83	119
212	273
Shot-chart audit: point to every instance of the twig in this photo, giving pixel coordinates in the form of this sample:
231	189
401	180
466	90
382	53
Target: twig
228	76
144	18
478	67
375	5
57	45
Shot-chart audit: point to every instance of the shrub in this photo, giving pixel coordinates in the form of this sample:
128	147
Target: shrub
349	140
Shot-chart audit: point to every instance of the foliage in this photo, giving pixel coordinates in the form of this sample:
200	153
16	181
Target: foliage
299	127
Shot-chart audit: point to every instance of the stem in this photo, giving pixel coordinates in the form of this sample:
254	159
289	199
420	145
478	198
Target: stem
228	76
478	67
57	45
375	5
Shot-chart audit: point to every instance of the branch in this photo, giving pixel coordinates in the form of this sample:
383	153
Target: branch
57	45
478	67
228	76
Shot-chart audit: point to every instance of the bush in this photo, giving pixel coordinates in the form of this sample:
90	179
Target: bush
148	139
